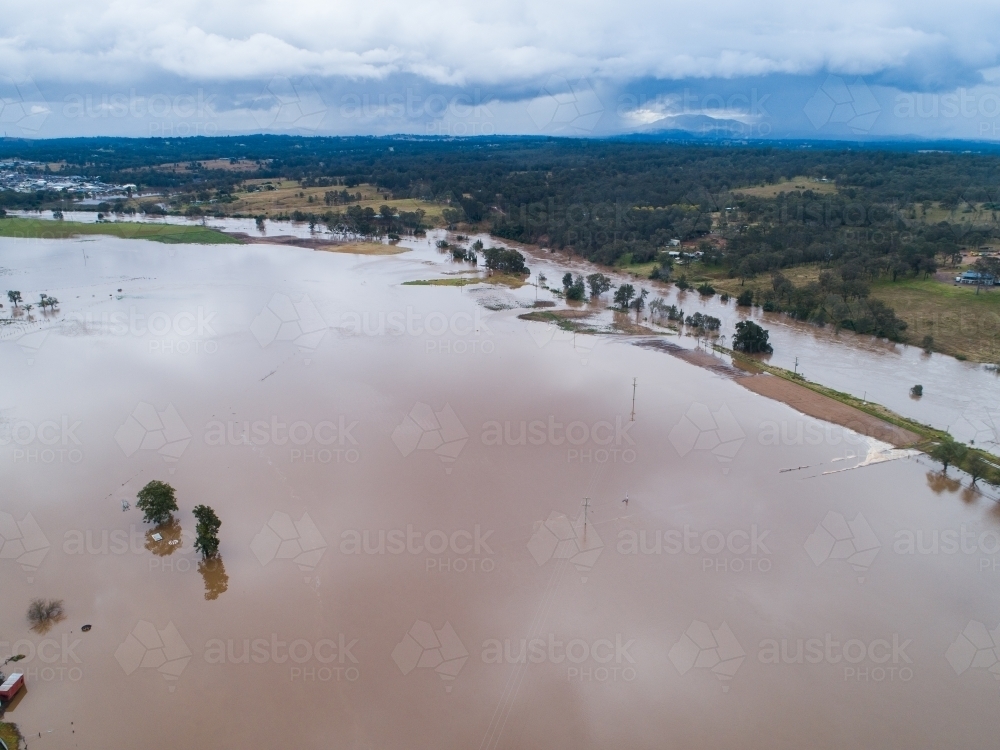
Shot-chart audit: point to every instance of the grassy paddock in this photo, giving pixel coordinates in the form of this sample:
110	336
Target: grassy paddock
289	196
45	229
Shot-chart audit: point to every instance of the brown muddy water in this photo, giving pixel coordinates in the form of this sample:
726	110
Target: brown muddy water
424	539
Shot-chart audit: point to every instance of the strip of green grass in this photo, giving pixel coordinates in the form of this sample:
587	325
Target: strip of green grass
929	435
10	735
169	233
443	282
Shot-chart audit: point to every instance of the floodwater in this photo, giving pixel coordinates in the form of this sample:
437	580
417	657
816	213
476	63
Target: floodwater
961	397
424	541
271	227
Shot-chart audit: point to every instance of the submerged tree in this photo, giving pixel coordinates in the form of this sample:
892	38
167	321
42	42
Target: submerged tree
599	284
639	303
207	531
43	613
576	290
157	500
624	296
977	468
751	338
949	452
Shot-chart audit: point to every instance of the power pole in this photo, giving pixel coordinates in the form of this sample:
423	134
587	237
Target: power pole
633	399
586	510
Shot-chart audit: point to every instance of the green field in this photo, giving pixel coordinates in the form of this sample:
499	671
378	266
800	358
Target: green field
57	230
960	321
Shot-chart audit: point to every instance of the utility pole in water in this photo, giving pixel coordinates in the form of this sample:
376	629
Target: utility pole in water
586	510
633	400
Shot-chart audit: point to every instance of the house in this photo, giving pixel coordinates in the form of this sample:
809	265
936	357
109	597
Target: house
10	686
974	277
674	243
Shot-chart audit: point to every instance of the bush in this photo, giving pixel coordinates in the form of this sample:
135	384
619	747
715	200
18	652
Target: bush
207	531
505	261
917	391
751	338
745	299
157	501
43	613
576	290
706	290
703	322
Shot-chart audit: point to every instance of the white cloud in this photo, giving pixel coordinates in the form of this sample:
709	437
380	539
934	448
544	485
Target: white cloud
489	43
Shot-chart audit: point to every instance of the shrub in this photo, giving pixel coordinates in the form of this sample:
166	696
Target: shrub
751	338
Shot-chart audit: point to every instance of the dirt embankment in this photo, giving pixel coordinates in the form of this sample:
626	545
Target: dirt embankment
830	410
797	396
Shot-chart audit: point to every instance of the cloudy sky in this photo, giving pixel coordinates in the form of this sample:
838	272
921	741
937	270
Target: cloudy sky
745	68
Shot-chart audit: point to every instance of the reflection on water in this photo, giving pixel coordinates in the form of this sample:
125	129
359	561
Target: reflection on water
940	482
405	504
214	574
169	541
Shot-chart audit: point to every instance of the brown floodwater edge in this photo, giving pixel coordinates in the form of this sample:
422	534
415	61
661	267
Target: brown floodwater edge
748	373
817	405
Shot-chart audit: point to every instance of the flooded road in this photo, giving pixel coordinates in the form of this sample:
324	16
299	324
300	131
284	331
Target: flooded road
425	539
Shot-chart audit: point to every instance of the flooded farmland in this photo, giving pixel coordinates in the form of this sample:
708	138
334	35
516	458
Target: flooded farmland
425	537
